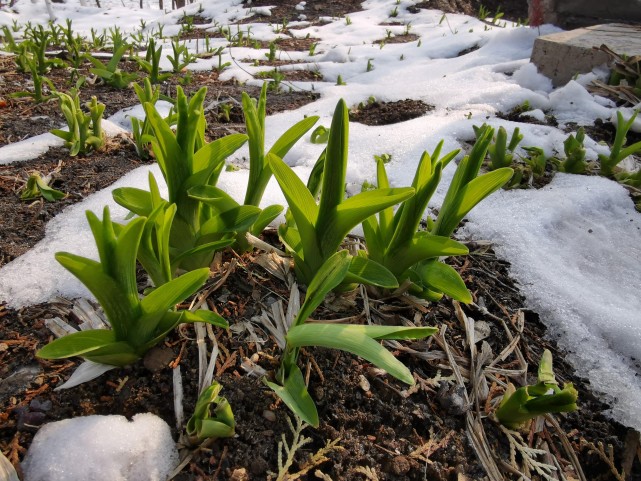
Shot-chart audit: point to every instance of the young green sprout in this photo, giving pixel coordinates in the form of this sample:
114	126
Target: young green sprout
136	324
520	405
205	425
361	340
38	186
619	152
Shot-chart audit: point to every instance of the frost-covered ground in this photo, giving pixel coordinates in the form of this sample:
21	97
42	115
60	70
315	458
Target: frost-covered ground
574	246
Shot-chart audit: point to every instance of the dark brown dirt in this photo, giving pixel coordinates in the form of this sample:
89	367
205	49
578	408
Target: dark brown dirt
24	222
385	113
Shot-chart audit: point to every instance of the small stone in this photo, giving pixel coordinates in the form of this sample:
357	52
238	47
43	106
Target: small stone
269	415
363	383
18	381
42	406
30	421
158	358
239	474
400	465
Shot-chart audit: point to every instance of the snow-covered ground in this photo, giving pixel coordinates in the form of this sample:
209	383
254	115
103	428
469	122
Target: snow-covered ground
574	246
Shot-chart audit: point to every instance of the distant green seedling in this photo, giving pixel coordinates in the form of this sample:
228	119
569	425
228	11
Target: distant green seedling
84	130
180	57
320	135
384	158
151	63
619	151
536	160
525	403
574	162
38	186
501	152
110	73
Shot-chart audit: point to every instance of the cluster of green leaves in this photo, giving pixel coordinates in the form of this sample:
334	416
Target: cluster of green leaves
151	63
85	130
110	72
313	232
205	220
360	340
204	424
141	130
520	405
501	152
136	325
180	57
38	186
619	150
394	240
574	162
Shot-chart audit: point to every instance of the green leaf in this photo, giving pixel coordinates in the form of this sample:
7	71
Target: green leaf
206	316
296	397
115	354
367	271
237	219
77	344
299	199
155	305
355	210
136	200
267	215
286	141
169	154
424	246
109	294
333	187
209	246
211	155
203	424
440	277
479	188
301	205
360	340
330	275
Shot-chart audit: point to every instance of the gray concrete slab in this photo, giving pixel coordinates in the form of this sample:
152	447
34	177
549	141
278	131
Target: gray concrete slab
560	56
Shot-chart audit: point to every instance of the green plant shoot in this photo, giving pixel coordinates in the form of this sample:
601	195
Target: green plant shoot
360	340
110	73
619	151
136	325
520	405
85	130
314	232
203	424
467	187
186	163
38	186
394	240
